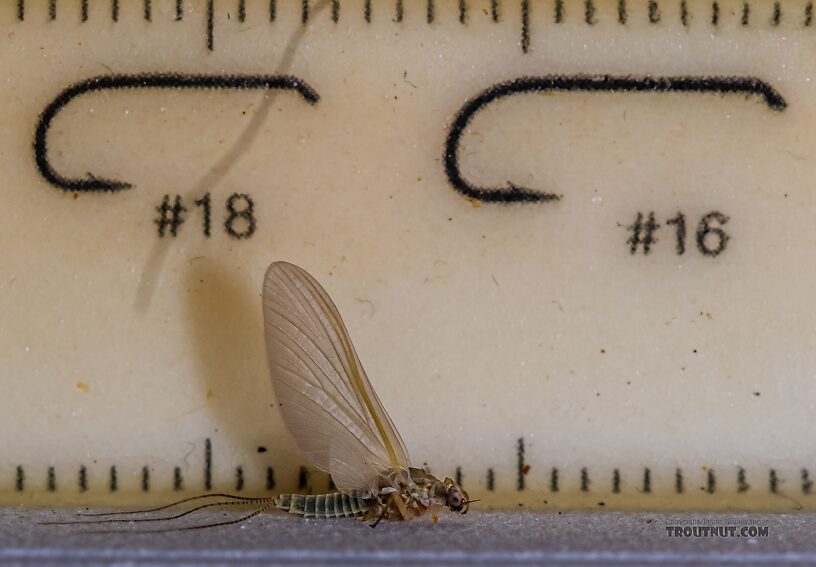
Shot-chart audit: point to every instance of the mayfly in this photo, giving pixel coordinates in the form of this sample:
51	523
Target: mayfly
334	414
336	418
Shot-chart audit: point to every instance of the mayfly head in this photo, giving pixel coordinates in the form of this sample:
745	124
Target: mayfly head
455	497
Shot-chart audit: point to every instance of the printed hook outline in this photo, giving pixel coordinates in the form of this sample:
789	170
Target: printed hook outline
749	86
144	81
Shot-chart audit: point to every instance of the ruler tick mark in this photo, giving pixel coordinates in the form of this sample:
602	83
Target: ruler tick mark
746	14
179	10
178	481
584	480
647	481
554	480
462	11
525	26
239	478
807	484
589	12
685	16
211	25
616	481
678	481
777	14
399	10
52	479
654	12
304	12
52	10
20	10
494	10
114	480
458	476
429	12
491	480
808	14
242	11
559	11
145	479
622	15
742	485
19	480
715	14
773	481
335	11
367	11
520	465
303	478
84	10
273	10
83	479
711	482
115	10
270	478
208	464
148	10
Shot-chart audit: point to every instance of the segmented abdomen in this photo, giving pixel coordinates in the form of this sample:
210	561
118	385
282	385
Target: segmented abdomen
336	505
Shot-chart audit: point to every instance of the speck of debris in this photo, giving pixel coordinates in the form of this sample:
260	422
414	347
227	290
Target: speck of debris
597	394
694	351
262	449
603	351
601	503
756	394
83	387
526	469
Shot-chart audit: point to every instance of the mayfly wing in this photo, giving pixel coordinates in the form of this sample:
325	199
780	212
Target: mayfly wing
325	397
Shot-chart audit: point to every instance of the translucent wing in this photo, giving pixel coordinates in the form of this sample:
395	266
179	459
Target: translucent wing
326	399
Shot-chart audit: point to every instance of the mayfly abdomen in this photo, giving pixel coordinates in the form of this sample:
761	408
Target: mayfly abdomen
336	505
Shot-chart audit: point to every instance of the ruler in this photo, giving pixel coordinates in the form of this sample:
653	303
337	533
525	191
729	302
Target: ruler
572	241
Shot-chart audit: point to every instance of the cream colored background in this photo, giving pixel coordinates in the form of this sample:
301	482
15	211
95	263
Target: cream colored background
477	325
